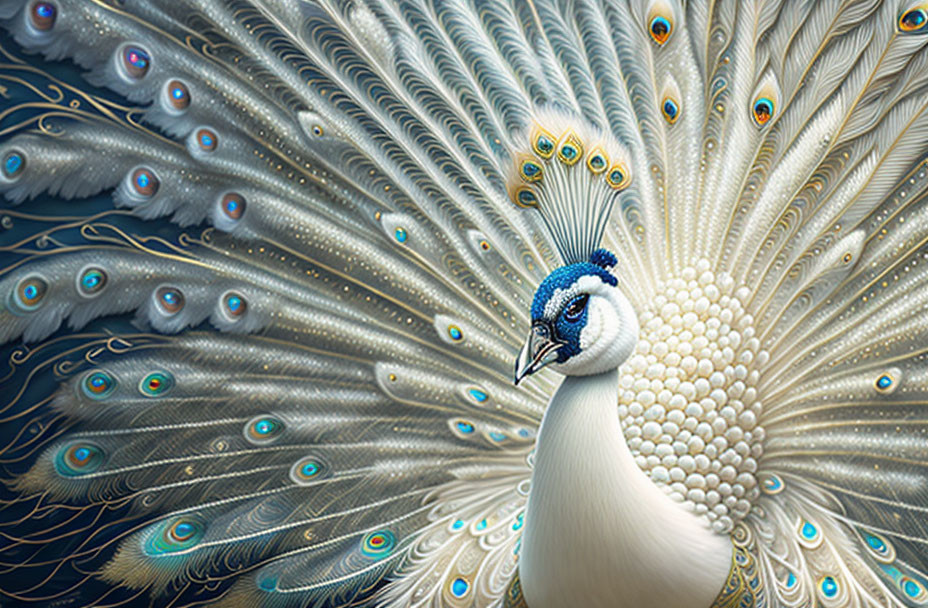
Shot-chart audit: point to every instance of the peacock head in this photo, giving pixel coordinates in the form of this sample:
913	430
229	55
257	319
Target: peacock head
582	323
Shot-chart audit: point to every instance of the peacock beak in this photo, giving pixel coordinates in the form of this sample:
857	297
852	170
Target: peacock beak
539	350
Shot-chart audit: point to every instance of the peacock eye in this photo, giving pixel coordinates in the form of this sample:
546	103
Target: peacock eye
576	307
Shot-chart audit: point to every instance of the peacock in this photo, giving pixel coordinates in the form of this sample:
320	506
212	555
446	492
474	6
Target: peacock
420	303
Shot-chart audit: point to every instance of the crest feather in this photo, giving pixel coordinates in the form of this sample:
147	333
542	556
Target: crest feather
572	174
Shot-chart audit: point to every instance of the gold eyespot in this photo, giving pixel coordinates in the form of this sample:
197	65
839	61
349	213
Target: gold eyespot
570	149
660	22
597	161
618	177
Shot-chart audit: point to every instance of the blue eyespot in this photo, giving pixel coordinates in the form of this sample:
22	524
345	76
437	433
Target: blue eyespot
525	197
660	29
79	458
207	140
478	395
175	535
145	182
91	281
575	309
178	95
772	484
98	384
43	15
307	470
458	524
234	305
884	382
913	20
136	62
13	164
829	586
400	235
520	520
670	109
544	146
30	293
170	299
531	171
763	111
459	587
465	427
808	531
233	205
481	525
454	332
596	163
263	429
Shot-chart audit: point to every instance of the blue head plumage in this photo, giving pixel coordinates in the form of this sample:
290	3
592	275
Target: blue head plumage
575	308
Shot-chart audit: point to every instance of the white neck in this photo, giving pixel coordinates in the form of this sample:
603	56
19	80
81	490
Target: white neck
598	532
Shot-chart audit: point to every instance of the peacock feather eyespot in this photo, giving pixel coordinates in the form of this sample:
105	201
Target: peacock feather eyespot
306	470
884	383
234	306
174	535
170	300
156	384
762	111
464	427
828	586
519	522
29	294
43	15
485	245
178	95
91	281
455	333
660	29
530	171
670	109
478	395
771	484
618	177
913	589
98	384
79	458
207	140
791	580
263	429
377	545
544	146
232	205
318	131
497	436
880	548
525	197
135	61
459	587
597	161
145	182
13	164
810	535
543	142
458	524
913	20
570	149
481	525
